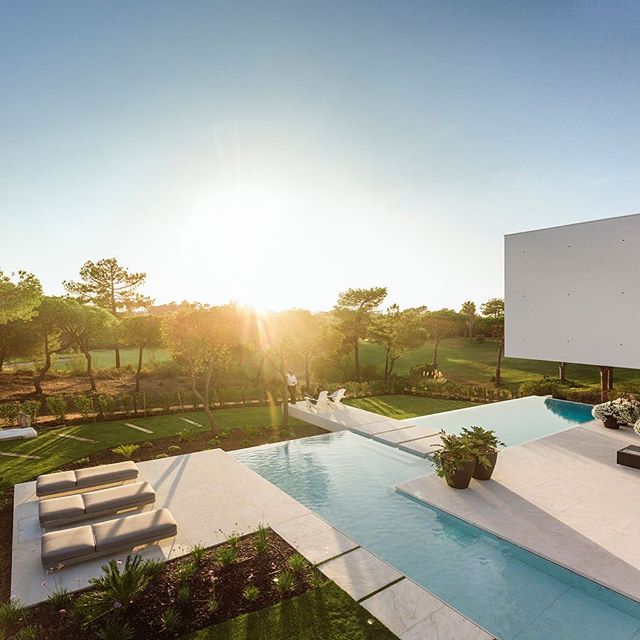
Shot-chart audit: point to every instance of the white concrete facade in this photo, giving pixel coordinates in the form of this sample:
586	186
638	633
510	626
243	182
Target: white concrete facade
572	293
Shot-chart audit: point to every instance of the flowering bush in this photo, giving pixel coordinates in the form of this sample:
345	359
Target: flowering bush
636	427
624	410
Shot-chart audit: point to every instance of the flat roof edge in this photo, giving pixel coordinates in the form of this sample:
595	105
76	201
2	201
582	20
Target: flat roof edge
571	224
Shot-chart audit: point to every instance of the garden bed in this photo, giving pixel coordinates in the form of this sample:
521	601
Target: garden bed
204	588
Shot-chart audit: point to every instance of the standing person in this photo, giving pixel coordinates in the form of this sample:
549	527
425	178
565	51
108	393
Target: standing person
292	382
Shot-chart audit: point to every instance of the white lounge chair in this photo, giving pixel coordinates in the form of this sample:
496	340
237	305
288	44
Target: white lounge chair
321	402
17	433
336	396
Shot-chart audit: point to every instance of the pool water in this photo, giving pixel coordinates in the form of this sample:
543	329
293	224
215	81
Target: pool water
514	421
349	480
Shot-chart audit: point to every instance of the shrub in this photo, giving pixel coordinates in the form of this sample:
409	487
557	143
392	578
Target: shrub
84	405
453	454
106	405
317	579
544	387
198	554
60	599
186	570
11	614
9	411
212	605
153	568
251	593
214	443
184	594
115	590
147	444
233	538
297	564
32	409
30	632
261	540
161	455
285	582
82	461
126	450
171	620
58	407
187	435
116	630
126	402
226	555
174	449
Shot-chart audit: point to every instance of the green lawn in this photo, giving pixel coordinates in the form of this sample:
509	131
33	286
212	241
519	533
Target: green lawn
327	613
403	407
471	362
55	451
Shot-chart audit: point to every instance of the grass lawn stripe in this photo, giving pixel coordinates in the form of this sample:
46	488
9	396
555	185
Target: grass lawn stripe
196	424
135	426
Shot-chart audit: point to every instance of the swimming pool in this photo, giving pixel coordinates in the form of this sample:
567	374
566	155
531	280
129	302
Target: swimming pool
515	421
349	480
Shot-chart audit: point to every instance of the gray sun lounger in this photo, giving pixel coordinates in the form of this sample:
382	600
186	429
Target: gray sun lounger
85	479
58	512
79	544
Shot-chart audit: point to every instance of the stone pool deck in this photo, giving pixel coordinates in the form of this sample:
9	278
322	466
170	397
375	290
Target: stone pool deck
211	495
562	497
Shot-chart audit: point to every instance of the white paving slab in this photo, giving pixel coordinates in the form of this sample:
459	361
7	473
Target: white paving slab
77	438
188	421
360	573
314	538
138	428
423	447
381	427
562	497
406	434
10	454
405	605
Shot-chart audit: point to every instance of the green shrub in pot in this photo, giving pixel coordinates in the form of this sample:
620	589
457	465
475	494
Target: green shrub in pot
483	444
454	460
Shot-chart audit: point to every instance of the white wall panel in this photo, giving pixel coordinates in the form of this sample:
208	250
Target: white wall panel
572	293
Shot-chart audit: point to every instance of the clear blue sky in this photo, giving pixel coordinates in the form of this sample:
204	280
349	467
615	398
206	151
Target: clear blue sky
276	153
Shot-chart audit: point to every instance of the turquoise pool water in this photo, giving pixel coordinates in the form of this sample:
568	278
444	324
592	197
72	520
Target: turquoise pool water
514	594
515	421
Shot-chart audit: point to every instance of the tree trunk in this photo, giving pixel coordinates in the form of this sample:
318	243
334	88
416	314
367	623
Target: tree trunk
562	371
139	368
499	361
116	346
285	393
604	384
92	380
386	366
609	378
204	396
307	375
2	353
39	377
356	352
434	360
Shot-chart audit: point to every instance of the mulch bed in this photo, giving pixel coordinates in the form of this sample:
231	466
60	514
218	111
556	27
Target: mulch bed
209	580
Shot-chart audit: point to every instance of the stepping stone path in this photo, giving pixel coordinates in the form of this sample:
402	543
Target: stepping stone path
78	438
18	455
135	426
196	424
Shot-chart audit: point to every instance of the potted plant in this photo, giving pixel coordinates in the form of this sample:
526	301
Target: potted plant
484	447
454	460
617	412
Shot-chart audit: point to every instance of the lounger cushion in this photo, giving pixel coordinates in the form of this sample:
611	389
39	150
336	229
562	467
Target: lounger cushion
58	546
127	496
106	474
60	508
55	483
133	530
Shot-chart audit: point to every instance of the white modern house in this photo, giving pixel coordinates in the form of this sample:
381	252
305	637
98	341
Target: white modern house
572	293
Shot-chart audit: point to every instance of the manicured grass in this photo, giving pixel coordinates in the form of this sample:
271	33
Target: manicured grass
327	613
55	451
106	359
471	362
403	407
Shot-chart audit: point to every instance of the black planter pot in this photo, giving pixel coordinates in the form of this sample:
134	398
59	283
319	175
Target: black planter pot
611	423
484	473
460	479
